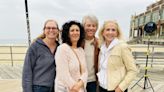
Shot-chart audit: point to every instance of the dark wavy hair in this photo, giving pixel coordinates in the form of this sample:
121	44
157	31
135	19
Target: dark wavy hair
65	33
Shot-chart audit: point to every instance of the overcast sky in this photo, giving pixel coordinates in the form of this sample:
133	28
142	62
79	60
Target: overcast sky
13	19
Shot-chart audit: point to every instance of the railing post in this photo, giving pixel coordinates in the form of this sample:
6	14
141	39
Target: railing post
152	56
135	55
11	54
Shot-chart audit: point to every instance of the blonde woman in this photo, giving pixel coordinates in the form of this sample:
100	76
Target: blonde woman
117	68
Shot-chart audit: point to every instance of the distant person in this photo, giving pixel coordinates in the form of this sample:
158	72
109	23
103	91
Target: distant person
39	65
71	70
117	68
91	48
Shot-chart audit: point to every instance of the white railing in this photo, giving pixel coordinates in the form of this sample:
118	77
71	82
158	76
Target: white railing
12	54
155	54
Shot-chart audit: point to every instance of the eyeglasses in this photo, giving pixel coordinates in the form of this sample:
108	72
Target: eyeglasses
49	28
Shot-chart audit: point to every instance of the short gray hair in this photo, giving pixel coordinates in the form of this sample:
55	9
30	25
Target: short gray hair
91	18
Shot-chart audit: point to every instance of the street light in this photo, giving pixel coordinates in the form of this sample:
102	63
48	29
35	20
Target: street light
28	23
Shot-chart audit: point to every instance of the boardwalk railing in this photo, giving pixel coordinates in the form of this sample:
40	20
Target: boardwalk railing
155	55
155	58
16	54
12	54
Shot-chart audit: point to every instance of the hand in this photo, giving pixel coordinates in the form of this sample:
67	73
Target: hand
118	89
72	90
75	88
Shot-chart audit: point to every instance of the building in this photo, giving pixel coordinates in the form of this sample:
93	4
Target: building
154	13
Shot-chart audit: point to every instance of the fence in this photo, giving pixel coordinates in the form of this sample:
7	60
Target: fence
155	55
16	54
12	54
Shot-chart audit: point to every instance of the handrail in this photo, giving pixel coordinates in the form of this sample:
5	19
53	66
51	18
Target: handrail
11	53
154	57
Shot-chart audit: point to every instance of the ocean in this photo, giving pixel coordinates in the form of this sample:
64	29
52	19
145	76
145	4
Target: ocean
13	42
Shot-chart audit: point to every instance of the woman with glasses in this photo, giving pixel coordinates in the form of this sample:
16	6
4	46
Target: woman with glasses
39	68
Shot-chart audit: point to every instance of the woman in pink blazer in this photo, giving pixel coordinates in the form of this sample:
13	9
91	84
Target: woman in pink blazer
71	70
117	68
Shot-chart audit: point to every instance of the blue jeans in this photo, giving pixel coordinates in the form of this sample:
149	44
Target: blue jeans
91	86
38	88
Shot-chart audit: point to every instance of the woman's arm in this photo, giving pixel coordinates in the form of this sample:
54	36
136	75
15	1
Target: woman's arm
27	74
130	66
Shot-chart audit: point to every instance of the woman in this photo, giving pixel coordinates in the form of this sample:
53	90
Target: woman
91	48
39	64
117	68
71	71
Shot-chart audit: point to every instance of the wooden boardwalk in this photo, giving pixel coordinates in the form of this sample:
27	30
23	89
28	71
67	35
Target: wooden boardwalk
10	79
9	72
156	76
10	85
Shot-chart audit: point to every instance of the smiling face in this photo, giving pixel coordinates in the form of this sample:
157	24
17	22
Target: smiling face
51	30
90	28
74	33
110	32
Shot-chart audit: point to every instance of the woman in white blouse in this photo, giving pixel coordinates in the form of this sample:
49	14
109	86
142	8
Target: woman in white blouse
117	68
71	70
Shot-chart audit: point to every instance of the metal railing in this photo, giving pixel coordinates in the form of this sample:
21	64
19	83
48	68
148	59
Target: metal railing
15	54
155	54
9	54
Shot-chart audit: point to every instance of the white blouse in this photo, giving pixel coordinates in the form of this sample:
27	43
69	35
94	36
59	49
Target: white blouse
105	53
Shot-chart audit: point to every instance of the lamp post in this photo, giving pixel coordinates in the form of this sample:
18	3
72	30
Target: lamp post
28	23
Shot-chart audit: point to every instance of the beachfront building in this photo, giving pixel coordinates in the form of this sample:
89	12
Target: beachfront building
154	13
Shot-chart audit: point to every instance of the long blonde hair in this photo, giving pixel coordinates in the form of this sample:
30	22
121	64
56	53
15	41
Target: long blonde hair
119	36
